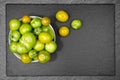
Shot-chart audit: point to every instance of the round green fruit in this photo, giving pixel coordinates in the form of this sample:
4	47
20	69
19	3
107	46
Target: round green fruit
36	22
14	36
13	47
43	56
76	24
45	28
37	31
38	46
14	24
21	49
32	53
28	40
25	28
51	47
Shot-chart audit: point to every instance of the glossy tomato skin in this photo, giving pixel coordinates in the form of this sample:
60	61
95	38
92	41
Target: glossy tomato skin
44	56
14	24
35	23
76	24
25	28
28	40
37	31
26	19
62	16
51	47
15	36
64	31
45	28
45	21
45	37
25	59
38	46
21	49
13	47
32	54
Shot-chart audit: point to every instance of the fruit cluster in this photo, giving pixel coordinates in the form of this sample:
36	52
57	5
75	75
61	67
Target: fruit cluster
32	38
62	16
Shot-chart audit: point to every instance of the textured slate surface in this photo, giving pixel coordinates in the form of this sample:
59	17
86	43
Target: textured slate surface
3	41
87	51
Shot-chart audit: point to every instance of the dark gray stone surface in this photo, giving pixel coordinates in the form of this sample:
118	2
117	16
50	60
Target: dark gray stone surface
87	51
3	41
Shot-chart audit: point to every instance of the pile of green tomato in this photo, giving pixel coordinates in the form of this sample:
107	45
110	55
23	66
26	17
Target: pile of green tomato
32	39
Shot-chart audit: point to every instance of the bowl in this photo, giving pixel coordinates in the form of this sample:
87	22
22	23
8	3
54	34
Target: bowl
16	54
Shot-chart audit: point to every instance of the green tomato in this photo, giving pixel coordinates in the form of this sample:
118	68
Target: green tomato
45	28
21	49
36	22
14	36
28	40
44	56
51	47
39	46
25	28
13	47
37	31
32	53
76	24
14	24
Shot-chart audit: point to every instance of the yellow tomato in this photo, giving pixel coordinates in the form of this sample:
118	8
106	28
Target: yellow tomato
45	37
64	31
45	21
25	59
26	19
62	16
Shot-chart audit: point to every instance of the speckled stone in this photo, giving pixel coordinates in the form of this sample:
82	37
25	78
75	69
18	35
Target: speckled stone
3	40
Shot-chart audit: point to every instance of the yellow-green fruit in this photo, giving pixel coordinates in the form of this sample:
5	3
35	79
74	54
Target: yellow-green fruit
62	16
25	59
43	56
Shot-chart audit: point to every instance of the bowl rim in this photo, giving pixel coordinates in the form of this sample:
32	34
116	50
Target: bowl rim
16	54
